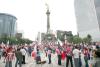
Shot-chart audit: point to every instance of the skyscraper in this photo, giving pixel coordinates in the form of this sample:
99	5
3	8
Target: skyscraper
97	8
88	18
7	24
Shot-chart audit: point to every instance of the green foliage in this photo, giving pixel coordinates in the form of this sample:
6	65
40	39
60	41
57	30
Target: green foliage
13	40
23	41
87	39
4	39
76	40
70	39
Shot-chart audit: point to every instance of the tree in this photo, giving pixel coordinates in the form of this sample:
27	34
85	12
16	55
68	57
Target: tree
76	40
4	38
70	39
24	41
87	39
27	41
12	40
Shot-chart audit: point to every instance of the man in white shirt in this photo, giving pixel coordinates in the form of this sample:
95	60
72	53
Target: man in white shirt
76	54
23	53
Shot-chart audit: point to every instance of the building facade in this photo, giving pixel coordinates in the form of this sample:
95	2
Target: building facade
19	35
7	24
88	18
64	35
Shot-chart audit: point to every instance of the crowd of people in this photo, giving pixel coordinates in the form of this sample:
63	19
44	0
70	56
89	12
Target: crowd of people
81	55
10	53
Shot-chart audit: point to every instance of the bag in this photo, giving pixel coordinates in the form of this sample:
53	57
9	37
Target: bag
38	58
33	54
63	56
69	54
43	62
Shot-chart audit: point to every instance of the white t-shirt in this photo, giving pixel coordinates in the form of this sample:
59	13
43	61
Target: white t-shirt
94	47
23	51
76	53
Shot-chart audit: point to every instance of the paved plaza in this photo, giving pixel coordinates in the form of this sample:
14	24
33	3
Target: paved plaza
30	62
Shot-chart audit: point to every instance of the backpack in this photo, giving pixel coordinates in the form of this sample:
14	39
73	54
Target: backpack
69	52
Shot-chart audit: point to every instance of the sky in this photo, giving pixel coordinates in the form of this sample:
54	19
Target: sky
31	15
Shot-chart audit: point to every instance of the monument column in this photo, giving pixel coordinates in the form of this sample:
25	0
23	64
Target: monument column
48	20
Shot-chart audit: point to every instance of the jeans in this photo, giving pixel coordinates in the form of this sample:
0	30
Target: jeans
69	58
18	61
23	61
59	59
0	56
76	61
49	57
8	64
86	61
80	63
